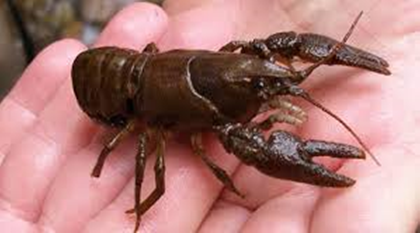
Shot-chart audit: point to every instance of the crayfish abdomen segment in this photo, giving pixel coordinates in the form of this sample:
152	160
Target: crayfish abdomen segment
106	81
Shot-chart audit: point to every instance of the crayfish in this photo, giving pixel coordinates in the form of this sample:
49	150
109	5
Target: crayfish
221	92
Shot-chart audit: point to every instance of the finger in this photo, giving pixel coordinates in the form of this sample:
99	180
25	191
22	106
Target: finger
32	163
215	23
75	196
190	192
36	87
271	17
225	217
26	169
134	27
383	199
175	7
58	212
290	212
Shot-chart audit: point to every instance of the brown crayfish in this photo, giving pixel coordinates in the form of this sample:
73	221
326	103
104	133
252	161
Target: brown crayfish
221	92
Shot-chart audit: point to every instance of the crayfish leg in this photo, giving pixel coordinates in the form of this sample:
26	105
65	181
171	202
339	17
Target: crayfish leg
222	175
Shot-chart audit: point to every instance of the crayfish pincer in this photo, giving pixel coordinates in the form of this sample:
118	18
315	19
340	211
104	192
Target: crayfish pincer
221	92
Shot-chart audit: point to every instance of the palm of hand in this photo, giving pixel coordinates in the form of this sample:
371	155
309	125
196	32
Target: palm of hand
49	151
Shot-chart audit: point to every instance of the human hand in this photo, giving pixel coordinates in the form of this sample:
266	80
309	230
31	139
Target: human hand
50	146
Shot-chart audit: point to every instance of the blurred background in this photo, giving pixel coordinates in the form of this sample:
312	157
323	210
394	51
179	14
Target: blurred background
27	26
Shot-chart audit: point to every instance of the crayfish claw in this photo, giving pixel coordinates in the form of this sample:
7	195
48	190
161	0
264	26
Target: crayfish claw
289	157
336	150
286	156
355	57
313	48
319	175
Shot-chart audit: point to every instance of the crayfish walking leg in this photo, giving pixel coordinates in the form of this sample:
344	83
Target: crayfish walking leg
141	207
110	146
220	174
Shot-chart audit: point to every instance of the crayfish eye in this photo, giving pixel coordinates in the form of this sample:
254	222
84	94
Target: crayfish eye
259	84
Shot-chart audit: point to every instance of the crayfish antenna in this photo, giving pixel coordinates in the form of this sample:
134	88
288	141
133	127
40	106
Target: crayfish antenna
297	91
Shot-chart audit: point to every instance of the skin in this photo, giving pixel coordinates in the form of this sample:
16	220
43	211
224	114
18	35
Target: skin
48	146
